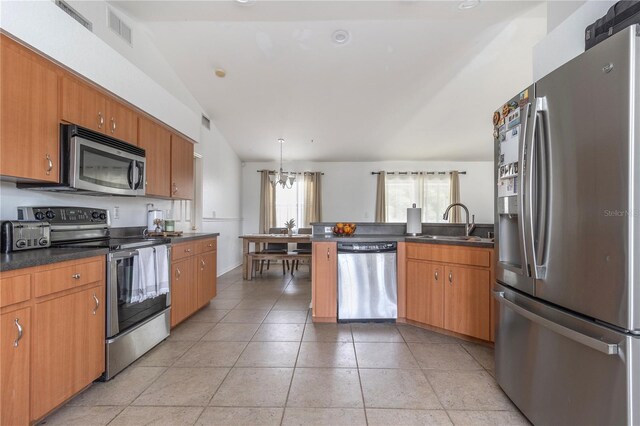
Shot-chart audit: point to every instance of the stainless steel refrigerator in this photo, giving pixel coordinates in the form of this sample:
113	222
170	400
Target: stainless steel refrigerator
568	240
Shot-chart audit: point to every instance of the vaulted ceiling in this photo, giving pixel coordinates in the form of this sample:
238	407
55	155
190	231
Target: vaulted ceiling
417	80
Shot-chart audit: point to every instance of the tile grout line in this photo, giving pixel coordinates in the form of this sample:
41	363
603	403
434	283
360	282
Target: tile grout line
355	355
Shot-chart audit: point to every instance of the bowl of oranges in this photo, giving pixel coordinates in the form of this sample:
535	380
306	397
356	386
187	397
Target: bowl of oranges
343	229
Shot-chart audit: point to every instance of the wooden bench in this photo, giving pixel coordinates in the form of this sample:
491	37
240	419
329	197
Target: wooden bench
252	257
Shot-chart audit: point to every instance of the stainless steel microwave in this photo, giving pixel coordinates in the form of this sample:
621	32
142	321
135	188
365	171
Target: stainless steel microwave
95	164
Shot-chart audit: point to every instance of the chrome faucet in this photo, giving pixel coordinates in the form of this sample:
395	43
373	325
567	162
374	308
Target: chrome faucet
468	228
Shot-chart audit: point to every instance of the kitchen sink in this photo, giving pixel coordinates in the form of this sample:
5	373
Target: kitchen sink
451	238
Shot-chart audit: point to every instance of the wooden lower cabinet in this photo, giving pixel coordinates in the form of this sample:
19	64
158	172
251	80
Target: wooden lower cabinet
467	302
193	277
206	265
62	347
445	293
426	289
324	282
15	346
183	290
69	354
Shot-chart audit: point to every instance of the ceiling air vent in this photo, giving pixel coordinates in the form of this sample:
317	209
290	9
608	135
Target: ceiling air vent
117	25
206	122
74	14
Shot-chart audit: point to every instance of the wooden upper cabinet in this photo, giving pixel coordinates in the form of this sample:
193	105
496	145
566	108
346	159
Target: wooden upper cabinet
325	282
181	168
87	107
156	141
29	132
83	105
122	122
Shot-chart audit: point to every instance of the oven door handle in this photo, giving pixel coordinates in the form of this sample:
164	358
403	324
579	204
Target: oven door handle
123	254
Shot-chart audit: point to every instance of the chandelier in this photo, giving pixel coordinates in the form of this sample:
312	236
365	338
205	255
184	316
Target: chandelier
284	179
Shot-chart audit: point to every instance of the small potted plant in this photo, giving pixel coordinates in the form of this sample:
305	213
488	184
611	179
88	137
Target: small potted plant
290	224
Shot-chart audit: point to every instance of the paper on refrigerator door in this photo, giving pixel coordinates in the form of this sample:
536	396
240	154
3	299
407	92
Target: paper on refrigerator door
509	141
507	187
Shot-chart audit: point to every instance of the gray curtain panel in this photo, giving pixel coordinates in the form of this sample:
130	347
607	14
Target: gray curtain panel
312	198
455	215
267	203
381	198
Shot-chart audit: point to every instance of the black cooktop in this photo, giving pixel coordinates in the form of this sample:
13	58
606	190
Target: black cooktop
114	244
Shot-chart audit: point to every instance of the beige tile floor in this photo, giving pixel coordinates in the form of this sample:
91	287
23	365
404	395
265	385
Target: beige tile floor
253	357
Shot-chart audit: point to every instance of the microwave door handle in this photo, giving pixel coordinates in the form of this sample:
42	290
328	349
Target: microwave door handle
136	175
130	174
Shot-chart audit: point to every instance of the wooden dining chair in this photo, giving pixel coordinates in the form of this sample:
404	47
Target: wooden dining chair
303	248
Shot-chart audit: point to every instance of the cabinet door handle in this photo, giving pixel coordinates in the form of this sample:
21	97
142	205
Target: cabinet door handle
202	263
436	275
178	273
75	276
49	163
210	245
97	304
327	254
19	335
187	250
113	125
175	188
451	277
100	120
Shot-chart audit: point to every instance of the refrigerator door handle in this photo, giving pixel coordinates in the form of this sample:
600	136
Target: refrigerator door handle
521	191
534	169
543	206
598	345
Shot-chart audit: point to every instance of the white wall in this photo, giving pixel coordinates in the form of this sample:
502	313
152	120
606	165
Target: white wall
221	176
141	76
566	40
349	189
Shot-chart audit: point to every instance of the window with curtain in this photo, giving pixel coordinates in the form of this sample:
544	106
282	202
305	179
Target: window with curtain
302	202
431	192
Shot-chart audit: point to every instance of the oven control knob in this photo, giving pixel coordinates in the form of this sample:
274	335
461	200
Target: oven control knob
43	241
103	216
21	243
50	214
95	215
39	215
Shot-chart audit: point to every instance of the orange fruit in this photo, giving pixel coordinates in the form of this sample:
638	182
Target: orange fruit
339	225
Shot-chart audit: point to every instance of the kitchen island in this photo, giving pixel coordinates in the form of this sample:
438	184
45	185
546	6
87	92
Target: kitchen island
442	283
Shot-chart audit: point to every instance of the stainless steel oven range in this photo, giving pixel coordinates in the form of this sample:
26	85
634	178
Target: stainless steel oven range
136	321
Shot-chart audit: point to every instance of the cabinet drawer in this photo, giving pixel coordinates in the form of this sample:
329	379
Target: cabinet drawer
182	250
15	289
450	254
206	245
74	275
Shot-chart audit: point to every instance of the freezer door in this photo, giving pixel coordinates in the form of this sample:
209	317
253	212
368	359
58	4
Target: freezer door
512	133
582	229
562	370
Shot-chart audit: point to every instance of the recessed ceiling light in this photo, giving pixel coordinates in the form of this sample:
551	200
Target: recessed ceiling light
468	4
220	72
245	2
340	36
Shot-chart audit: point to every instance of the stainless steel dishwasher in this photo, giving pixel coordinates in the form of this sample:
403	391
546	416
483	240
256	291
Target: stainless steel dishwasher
367	284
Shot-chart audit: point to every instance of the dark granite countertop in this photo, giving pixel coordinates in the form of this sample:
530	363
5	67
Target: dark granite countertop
482	242
38	257
188	236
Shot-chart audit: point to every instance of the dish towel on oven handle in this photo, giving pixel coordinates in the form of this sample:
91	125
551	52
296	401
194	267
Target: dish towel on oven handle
147	271
162	271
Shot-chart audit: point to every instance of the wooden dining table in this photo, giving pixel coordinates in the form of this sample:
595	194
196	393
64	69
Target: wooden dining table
259	239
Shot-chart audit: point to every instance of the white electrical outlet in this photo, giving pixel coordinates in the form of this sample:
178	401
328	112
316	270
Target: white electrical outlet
116	212
328	229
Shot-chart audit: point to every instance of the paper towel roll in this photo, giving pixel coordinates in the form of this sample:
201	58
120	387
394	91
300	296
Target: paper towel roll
414	222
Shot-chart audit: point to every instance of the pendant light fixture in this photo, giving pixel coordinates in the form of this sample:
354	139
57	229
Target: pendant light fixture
284	179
